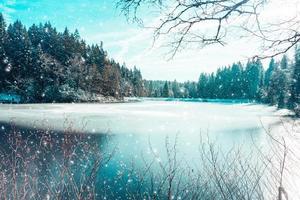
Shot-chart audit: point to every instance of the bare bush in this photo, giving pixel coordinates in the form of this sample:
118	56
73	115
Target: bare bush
43	164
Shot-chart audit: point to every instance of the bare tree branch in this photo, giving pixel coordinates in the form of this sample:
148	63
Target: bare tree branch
193	21
206	22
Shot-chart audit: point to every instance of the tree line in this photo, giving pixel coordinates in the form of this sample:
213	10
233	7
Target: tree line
278	85
42	64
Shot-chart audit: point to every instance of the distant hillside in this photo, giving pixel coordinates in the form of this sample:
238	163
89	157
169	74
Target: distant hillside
43	65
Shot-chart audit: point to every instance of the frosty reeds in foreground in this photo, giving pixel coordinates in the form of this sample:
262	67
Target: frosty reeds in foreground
42	164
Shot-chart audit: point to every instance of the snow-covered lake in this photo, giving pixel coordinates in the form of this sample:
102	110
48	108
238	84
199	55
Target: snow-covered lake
147	117
133	124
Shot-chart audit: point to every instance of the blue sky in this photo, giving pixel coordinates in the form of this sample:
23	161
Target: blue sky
92	18
99	20
92	15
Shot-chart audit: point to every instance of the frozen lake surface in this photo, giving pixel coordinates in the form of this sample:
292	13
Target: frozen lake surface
134	124
142	130
147	117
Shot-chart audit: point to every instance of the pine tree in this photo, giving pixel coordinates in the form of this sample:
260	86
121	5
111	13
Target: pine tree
35	34
137	81
284	62
51	41
166	91
95	81
254	77
175	89
51	78
295	86
191	89
269	71
236	81
202	86
282	93
270	82
3	57
18	49
150	90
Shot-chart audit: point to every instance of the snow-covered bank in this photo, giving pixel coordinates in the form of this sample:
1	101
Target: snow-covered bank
200	100
8	99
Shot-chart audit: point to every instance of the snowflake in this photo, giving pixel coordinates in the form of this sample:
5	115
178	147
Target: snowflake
5	60
8	68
